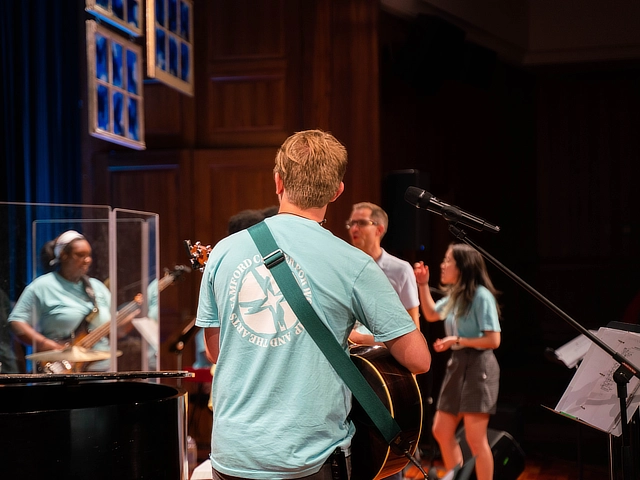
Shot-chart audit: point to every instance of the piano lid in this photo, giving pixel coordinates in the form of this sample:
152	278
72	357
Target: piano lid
75	378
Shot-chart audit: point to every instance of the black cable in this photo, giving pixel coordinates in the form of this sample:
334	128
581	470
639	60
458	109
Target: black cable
416	463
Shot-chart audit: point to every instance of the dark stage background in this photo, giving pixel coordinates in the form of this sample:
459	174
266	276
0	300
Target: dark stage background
537	133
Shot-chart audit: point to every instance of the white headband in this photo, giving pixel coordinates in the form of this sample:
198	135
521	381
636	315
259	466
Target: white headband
63	240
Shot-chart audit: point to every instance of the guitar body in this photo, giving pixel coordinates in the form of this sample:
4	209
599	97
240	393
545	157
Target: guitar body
65	366
371	456
79	334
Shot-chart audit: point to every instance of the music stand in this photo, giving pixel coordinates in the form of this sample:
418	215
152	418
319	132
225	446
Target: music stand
592	397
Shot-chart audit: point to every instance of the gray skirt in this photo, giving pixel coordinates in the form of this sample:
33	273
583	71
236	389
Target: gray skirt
471	382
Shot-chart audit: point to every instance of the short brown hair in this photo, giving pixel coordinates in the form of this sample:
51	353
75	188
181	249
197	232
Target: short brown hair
311	165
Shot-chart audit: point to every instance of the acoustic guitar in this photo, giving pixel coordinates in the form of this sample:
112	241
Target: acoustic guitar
371	457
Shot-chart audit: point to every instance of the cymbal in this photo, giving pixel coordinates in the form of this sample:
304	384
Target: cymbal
71	354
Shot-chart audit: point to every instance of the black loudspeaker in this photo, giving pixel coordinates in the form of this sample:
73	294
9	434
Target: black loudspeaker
408	226
508	457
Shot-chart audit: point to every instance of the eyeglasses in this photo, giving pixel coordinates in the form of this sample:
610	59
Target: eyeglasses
359	223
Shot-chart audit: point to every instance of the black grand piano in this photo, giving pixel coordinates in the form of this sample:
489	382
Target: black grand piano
113	425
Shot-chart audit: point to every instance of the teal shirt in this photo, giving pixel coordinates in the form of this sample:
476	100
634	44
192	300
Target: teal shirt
400	274
482	316
55	307
272	384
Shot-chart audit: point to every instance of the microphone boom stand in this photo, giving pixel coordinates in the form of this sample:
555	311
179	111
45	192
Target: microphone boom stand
176	346
623	374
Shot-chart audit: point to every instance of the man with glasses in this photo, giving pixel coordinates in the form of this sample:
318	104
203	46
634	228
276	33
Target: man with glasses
367	226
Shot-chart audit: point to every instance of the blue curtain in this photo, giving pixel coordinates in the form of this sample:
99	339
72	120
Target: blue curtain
40	100
41	56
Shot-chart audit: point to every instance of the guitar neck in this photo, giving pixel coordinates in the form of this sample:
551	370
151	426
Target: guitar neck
124	316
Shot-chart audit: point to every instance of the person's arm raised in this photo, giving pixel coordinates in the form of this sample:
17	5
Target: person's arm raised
427	303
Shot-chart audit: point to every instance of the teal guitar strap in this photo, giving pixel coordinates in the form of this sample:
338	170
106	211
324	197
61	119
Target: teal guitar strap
273	258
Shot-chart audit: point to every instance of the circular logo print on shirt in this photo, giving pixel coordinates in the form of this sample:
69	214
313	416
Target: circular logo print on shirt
261	314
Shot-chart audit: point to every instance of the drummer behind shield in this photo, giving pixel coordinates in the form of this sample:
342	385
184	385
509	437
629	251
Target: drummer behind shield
55	307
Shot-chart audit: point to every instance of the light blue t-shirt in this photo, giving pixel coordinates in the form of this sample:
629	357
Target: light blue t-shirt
55	307
272	384
482	316
400	274
402	279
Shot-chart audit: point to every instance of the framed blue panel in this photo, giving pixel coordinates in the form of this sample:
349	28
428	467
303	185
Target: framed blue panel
115	98
125	15
170	43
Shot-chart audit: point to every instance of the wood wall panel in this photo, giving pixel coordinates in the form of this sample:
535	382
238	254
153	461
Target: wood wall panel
159	182
243	104
259	29
169	117
155	182
227	181
246	73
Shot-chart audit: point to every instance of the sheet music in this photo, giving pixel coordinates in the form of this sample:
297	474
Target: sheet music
573	351
149	329
202	471
592	395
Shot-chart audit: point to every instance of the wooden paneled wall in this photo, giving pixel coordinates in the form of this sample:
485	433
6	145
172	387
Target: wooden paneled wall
248	76
263	70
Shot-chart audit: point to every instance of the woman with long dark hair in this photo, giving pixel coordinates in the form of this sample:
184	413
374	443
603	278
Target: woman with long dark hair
469	390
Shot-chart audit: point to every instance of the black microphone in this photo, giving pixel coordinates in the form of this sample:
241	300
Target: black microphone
423	199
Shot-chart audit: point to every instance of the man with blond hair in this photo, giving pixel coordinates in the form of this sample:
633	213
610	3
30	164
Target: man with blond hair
280	411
